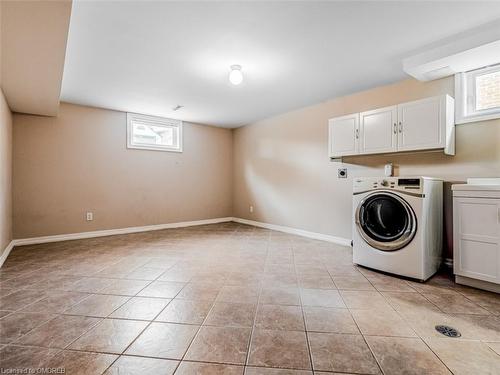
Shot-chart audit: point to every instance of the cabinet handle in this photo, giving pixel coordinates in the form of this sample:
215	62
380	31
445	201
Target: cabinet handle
400	127
395	128
357	133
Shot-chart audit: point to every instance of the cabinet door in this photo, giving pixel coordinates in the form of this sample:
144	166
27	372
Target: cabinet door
477	238
422	124
378	132
343	135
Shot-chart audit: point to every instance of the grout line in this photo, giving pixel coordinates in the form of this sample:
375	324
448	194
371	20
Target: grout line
249	344
437	356
416	333
362	335
145	328
108	317
200	326
302	310
236	234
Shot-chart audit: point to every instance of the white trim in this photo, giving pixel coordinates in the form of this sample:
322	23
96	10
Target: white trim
113	232
479	284
299	232
6	252
468	119
465	94
448	262
147	228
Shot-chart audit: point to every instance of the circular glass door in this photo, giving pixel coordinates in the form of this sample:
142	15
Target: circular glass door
386	221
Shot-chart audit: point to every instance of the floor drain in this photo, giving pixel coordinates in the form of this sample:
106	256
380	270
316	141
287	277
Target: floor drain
448	331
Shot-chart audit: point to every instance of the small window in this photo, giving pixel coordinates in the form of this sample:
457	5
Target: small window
153	133
478	94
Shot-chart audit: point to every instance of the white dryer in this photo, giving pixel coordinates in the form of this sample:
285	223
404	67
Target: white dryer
398	225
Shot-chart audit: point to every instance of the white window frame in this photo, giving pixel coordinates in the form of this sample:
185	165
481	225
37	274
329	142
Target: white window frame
156	121
465	97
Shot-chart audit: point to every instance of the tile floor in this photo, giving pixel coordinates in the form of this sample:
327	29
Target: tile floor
232	299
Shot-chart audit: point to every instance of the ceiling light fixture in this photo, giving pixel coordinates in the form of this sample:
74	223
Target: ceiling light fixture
235	76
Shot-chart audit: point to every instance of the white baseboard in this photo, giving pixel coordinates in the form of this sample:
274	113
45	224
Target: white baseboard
147	228
113	232
448	262
475	283
298	232
6	252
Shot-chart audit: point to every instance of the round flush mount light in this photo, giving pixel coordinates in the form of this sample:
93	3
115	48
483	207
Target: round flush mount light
236	75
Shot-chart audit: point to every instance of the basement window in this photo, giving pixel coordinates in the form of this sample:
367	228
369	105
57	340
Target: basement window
153	133
478	95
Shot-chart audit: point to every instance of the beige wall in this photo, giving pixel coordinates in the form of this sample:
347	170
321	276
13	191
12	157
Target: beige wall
34	35
78	162
5	174
282	168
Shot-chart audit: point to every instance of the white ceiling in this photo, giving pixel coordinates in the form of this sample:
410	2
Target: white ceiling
147	57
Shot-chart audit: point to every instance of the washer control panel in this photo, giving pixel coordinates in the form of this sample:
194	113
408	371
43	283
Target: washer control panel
414	184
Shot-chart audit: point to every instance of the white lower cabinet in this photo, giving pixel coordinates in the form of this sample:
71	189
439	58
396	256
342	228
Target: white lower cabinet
426	124
476	227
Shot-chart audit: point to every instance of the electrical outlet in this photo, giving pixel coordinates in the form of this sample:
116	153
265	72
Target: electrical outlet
89	216
251	209
342	172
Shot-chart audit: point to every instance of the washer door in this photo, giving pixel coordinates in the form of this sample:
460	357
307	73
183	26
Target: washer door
386	221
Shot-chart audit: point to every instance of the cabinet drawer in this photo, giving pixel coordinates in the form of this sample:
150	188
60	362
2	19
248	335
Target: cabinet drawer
479	259
476	226
479	217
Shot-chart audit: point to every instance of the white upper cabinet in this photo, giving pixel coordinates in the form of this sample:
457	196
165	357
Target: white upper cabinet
422	124
378	130
343	135
427	124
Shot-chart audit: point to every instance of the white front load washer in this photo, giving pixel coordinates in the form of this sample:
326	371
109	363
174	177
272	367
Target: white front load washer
398	225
